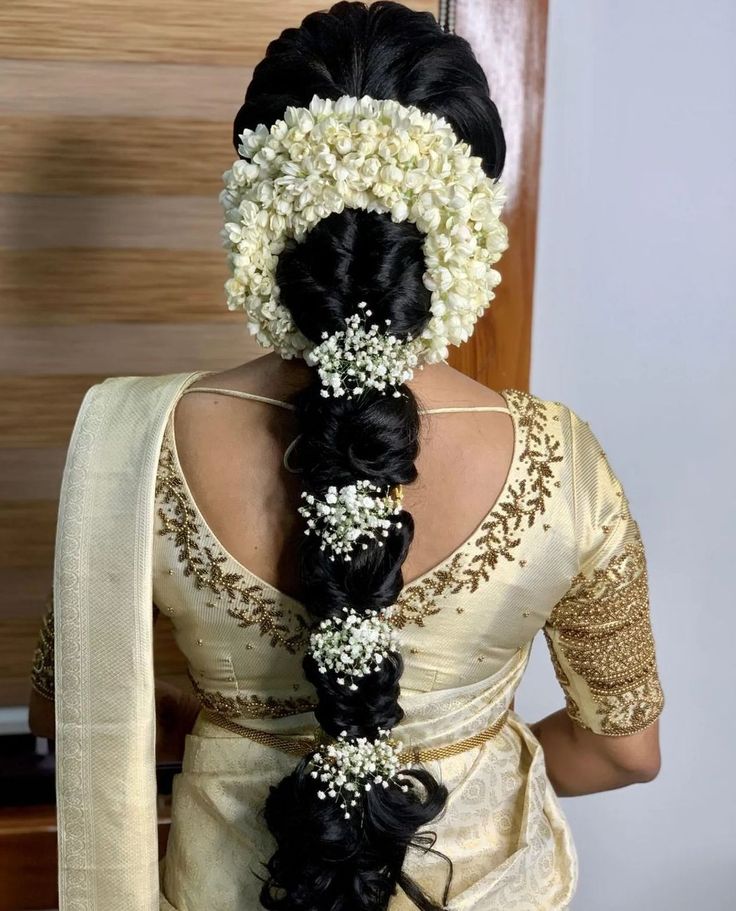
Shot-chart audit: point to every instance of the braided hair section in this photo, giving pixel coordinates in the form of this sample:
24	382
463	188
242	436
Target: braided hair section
345	817
362	445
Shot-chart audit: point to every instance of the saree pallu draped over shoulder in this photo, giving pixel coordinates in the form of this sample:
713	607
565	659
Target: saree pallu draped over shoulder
103	630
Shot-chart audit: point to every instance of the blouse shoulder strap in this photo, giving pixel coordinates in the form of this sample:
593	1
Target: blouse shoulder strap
461	408
237	393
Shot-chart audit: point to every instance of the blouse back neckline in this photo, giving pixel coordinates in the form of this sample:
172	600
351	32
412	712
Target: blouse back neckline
422	578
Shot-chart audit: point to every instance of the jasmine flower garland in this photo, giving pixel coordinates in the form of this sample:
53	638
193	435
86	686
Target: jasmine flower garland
345	515
352	645
377	155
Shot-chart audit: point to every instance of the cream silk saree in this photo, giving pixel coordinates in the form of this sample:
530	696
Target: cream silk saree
559	552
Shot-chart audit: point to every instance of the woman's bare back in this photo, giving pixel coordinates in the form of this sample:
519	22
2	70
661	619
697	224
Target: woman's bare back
231	451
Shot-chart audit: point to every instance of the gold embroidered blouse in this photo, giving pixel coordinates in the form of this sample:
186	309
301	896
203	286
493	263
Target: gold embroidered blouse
42	670
559	552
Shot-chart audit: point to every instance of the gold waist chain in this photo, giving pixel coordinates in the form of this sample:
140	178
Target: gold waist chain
300	746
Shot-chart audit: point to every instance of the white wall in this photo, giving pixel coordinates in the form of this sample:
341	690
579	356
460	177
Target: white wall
635	329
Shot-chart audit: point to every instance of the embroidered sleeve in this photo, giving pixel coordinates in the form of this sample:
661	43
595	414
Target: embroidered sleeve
42	671
600	635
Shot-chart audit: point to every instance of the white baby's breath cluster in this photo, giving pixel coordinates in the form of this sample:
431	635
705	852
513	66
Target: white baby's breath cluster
357	358
352	645
347	514
354	765
371	154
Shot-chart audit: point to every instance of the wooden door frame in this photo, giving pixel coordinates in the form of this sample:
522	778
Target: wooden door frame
509	39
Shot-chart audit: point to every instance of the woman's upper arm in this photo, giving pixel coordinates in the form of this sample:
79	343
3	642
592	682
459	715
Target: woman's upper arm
600	635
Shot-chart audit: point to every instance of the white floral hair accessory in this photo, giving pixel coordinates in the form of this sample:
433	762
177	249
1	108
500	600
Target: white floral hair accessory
352	360
353	645
370	154
355	765
349	513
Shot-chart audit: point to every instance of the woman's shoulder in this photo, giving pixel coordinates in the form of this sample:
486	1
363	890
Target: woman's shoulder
145	382
550	424
455	386
571	425
538	411
131	397
555	427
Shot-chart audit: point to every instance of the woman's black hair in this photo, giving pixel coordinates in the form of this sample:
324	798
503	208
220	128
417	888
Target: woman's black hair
324	861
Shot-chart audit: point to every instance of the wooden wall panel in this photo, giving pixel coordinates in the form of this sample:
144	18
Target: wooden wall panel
168	31
93	155
39	411
76	287
509	39
23	592
30	474
97	224
113	348
27	533
104	88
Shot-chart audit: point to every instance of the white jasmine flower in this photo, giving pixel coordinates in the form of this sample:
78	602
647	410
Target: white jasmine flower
371	154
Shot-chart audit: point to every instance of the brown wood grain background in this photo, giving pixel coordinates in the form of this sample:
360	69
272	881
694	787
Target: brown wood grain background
115	125
509	38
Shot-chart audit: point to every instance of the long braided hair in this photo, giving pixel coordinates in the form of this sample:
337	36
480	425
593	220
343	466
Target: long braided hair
325	861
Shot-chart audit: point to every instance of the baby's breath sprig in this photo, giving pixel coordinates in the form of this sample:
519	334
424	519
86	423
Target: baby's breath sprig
362	357
346	514
352	645
354	765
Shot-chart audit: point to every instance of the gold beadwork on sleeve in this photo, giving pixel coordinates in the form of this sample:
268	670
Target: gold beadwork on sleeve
42	671
601	631
573	710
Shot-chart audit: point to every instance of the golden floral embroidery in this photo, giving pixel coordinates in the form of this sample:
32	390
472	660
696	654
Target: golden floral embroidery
42	671
252	706
417	600
518	507
248	603
525	500
604	634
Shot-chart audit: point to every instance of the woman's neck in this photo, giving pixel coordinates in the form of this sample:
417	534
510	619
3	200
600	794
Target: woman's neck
434	385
